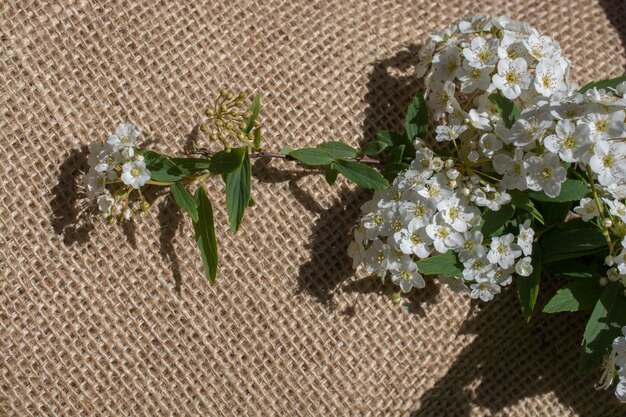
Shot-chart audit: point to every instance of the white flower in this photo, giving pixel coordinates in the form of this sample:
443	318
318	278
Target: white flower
512	169
501	276
484	289
456	212
549	78
473	79
374	224
377	258
587	209
125	136
105	203
489	144
608	161
571	142
472	247
477	23
405	274
604	125
546	173
413	240
446	63
436	188
95	183
605	98
482	53
443	236
418	212
135	174
356	250
524	267
616	208
541	47
479	121
512	77
503	251
530	128
525	238
441	99
448	132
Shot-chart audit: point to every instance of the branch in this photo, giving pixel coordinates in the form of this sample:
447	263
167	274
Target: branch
264	154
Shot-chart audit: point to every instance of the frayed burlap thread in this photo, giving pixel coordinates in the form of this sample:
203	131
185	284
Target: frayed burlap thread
111	321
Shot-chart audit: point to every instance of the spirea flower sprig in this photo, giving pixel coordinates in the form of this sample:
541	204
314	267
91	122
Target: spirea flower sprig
523	175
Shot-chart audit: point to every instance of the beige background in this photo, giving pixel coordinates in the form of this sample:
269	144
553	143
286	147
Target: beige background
102	321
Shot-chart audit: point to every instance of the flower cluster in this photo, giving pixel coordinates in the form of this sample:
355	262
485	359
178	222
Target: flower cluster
115	171
481	55
432	208
616	359
227	119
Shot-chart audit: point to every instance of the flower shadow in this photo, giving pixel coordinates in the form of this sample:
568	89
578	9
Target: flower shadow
68	218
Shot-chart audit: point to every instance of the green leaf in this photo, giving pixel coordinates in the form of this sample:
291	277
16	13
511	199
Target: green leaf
604	325
554	212
521	201
184	200
205	234
494	220
337	150
257	139
574	269
528	287
285	150
506	108
395	155
392	170
362	175
255	108
374	147
227	161
579	295
571	240
238	192
312	156
330	174
416	122
392	138
571	190
446	264
604	84
189	166
161	168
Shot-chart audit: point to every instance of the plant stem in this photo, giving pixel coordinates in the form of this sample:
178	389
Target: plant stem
594	191
265	154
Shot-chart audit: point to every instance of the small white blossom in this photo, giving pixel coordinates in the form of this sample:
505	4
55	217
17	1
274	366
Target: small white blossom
587	209
405	274
546	173
571	142
484	289
512	77
444	237
609	161
135	174
125	136
503	251
482	53
449	132
524	267
549	78
525	238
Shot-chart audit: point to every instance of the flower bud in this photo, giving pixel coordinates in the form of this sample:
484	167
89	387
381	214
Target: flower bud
449	163
465	191
204	128
242	125
612	275
473	156
607	222
209	112
138	157
603	281
256	123
609	261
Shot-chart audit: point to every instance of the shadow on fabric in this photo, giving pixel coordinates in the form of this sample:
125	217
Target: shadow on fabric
615	11
510	360
67	217
390	87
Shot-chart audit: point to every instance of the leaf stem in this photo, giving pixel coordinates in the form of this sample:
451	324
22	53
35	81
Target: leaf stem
594	191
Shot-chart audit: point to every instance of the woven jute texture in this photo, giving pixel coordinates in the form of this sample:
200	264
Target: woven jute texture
116	321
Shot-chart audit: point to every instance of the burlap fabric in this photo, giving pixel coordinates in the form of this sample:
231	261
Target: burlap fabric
120	321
